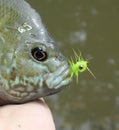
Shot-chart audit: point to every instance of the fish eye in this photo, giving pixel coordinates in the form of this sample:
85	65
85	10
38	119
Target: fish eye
81	67
39	54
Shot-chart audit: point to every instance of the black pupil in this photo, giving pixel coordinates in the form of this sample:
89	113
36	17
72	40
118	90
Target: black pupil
39	54
80	67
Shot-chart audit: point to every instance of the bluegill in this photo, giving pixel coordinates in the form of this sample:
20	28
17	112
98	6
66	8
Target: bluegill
30	65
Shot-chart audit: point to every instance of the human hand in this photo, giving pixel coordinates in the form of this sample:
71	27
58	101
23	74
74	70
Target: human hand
34	115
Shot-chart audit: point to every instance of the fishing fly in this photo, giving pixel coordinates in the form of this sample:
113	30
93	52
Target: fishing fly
78	65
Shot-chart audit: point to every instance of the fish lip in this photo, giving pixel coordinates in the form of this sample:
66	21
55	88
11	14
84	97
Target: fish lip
59	78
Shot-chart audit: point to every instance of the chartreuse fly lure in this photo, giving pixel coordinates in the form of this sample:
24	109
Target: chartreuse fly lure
78	65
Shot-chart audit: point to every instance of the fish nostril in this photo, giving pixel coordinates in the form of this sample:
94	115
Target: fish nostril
60	57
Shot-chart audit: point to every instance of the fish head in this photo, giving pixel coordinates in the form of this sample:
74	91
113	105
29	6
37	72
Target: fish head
30	64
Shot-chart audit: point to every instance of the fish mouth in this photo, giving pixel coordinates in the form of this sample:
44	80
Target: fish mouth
59	78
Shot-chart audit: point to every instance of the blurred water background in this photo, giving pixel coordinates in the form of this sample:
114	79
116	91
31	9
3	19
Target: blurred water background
91	26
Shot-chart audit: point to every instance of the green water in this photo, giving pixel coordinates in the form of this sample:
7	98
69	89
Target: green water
91	26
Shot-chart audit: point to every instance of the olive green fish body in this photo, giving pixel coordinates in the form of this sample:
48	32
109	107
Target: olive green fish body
30	65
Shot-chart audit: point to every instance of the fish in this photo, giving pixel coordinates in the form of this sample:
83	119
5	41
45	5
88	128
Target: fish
31	66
